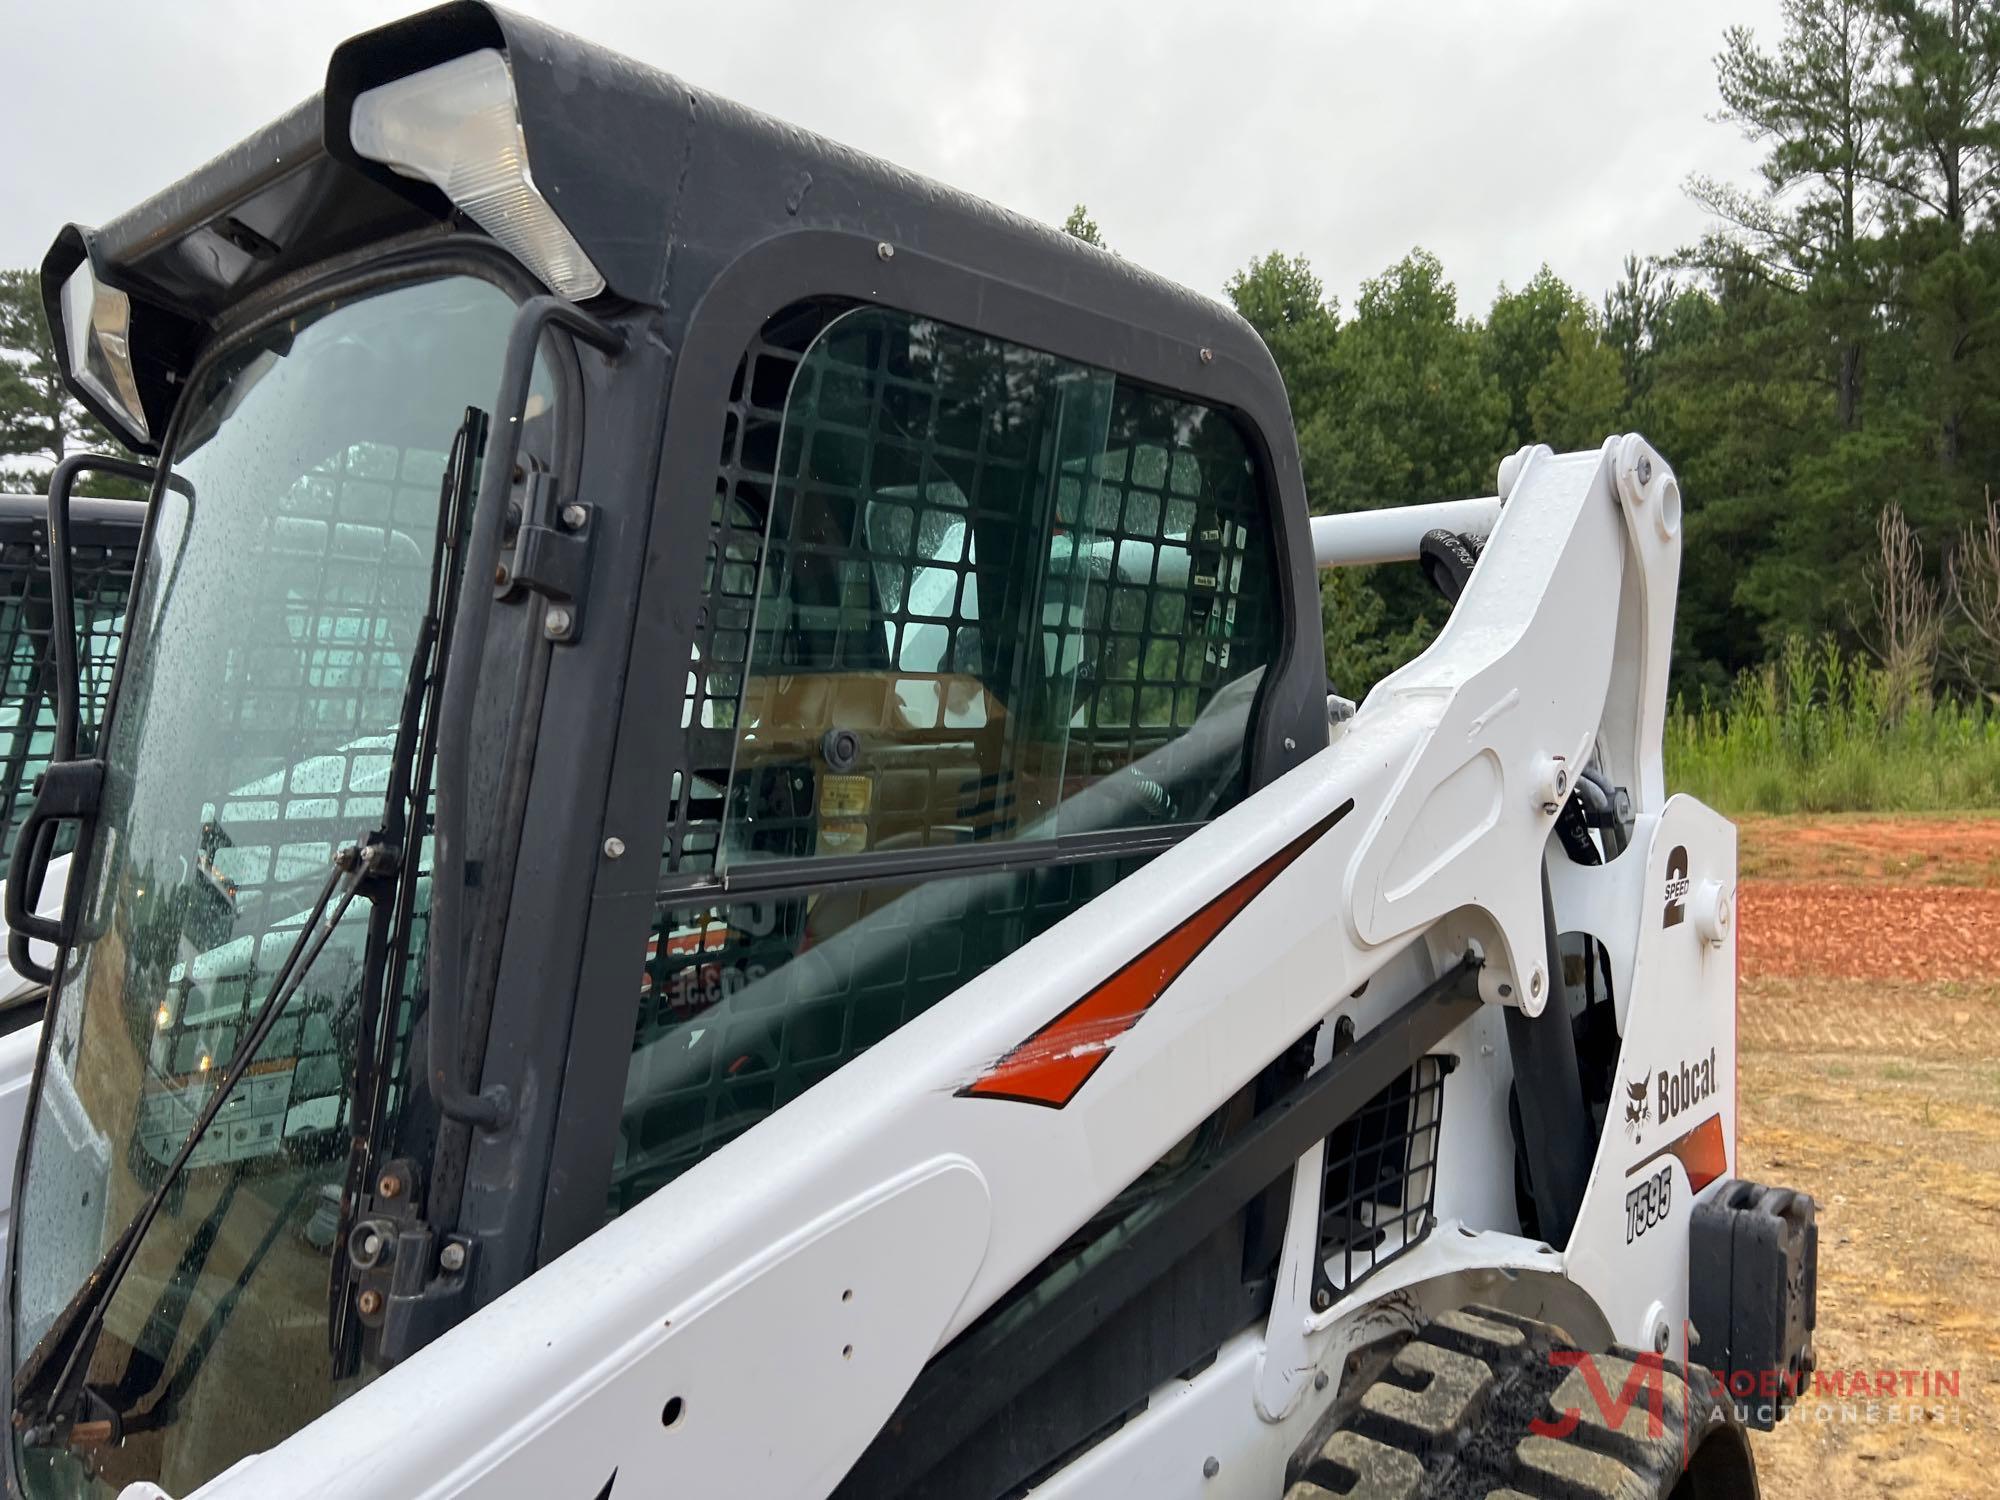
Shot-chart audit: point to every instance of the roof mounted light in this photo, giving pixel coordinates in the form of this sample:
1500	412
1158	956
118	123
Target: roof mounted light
97	337
456	126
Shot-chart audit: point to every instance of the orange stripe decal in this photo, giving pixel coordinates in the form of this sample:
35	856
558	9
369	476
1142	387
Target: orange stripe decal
1702	1151
1050	1066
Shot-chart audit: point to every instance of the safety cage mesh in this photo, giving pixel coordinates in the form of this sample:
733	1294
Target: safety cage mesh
721	650
103	581
1157	571
1379	1186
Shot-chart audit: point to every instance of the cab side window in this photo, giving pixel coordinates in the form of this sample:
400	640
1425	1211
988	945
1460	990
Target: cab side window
984	632
999	592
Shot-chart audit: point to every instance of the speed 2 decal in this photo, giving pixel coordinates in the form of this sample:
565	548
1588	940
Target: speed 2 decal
1677	887
1049	1067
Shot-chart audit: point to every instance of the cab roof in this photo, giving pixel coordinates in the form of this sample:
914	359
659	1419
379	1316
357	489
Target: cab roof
662	183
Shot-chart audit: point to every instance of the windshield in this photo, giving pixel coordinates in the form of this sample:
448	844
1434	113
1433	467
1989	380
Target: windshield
268	646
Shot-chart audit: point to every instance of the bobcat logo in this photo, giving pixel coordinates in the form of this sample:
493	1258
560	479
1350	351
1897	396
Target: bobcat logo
1636	1109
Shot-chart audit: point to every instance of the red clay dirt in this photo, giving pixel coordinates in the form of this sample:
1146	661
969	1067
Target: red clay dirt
1799	929
1869	1040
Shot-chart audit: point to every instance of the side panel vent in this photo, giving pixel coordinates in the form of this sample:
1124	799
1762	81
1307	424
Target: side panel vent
1380	1182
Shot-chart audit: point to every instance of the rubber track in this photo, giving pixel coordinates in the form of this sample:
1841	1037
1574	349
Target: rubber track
1450	1420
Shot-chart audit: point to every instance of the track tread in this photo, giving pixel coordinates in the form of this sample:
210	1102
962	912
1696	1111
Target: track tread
1449	1419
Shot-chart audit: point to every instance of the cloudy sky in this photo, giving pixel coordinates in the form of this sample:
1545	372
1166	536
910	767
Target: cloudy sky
1497	133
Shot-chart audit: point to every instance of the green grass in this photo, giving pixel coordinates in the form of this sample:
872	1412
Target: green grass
1821	731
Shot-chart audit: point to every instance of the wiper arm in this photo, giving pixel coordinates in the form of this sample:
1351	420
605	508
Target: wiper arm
406	799
50	1375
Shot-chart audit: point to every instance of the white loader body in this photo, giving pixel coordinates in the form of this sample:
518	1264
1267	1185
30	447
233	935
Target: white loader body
749	1328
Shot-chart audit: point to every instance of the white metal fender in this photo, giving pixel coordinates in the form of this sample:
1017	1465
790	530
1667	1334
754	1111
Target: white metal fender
777	1374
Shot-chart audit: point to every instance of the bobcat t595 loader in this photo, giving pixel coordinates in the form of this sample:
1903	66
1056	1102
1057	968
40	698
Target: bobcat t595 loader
721	864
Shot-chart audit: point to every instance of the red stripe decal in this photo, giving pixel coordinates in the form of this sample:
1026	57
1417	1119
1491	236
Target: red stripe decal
1702	1151
1050	1066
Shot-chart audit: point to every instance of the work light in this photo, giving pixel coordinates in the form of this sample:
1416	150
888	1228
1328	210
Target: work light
97	336
456	126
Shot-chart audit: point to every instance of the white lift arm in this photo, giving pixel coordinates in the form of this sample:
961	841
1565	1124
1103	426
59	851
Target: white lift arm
1385	536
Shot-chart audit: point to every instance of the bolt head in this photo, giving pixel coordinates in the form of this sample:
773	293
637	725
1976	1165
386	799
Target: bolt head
557	622
370	1303
1210	1467
1645	469
1321	1381
371	1245
391	1186
1208	356
1322	1299
500	575
614	847
1535	984
574	516
1662	1336
452	1257
884	250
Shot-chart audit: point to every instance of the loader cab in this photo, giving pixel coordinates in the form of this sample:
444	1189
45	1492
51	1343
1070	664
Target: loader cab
732	594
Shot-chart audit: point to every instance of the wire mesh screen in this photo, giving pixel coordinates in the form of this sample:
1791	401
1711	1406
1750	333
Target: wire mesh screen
324	666
1174	599
1380	1180
743	484
998	578
908	550
746	1004
1013	585
102	575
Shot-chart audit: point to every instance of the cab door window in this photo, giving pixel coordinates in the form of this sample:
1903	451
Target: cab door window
983	633
998	590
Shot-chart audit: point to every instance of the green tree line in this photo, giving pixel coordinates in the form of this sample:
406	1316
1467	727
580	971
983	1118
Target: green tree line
40	422
1823	369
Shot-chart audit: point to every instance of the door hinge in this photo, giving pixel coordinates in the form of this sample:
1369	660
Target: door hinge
550	554
409	1283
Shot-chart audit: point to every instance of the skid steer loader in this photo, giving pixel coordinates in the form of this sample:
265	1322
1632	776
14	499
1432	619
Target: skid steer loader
722	864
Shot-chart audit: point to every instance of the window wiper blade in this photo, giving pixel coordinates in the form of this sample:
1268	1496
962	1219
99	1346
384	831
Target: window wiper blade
406	799
49	1378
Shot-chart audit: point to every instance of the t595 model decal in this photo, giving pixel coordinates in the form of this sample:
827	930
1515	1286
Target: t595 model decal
1049	1067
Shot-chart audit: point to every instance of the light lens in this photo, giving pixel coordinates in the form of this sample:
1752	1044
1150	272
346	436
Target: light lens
97	330
455	126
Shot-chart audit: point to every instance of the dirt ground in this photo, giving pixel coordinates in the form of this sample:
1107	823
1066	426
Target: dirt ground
1870	1053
